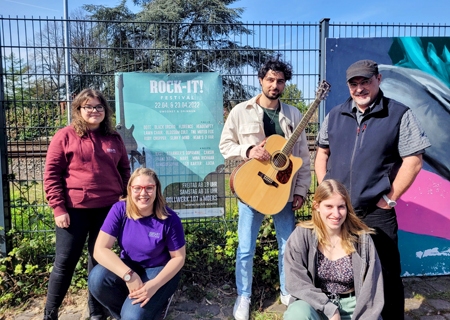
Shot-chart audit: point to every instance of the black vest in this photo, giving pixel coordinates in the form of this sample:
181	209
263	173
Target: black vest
365	157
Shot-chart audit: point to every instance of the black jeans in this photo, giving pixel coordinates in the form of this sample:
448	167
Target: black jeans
84	223
386	242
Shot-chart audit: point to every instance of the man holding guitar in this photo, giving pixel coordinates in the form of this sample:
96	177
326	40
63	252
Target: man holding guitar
244	136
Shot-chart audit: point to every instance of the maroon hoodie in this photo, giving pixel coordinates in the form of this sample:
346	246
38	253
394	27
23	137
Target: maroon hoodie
87	172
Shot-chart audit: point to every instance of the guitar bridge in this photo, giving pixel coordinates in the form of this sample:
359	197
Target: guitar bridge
267	180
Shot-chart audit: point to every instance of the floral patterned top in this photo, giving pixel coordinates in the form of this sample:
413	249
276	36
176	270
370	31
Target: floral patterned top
334	276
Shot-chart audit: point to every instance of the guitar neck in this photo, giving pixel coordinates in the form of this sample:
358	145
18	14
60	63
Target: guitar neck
121	103
287	149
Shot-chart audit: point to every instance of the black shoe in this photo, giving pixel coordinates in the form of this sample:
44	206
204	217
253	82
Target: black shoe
50	315
101	317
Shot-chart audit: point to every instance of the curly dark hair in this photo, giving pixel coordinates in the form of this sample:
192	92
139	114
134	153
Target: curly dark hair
277	65
79	124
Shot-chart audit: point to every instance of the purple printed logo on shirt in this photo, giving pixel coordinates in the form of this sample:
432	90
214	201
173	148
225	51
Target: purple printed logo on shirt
111	150
152	234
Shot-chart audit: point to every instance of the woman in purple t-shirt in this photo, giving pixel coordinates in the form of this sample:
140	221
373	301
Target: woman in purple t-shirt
137	284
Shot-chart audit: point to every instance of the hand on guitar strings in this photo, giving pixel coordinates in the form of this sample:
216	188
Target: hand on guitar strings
258	152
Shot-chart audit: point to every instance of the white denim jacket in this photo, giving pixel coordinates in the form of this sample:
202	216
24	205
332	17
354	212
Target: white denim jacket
244	128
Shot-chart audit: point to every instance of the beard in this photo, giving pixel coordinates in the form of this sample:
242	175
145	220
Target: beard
272	97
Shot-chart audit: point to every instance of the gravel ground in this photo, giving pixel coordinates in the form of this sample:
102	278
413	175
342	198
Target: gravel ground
426	298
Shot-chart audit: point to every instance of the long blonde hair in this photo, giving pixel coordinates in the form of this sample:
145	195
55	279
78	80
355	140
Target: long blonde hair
159	206
352	226
79	124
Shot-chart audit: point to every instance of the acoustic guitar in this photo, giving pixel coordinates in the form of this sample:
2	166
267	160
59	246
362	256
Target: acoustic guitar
266	185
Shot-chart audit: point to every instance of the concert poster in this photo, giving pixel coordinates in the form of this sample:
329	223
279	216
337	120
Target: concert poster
172	123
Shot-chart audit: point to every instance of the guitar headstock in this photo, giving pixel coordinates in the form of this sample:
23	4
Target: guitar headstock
322	90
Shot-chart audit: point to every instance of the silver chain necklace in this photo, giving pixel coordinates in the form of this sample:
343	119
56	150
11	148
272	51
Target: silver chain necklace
274	113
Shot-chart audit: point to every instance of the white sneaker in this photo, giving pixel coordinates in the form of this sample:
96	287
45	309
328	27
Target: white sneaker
241	308
285	299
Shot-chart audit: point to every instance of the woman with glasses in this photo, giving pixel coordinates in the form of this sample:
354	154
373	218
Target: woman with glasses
150	235
332	268
86	172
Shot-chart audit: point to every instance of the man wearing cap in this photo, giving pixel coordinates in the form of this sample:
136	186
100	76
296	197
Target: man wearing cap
374	146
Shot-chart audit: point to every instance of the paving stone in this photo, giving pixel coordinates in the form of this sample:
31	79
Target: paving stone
24	316
227	312
181	316
228	301
277	308
423	288
440	284
439	304
409	292
70	316
208	311
408	317
188	306
426	309
432	317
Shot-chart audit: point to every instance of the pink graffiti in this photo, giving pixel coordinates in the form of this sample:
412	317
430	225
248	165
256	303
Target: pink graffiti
425	207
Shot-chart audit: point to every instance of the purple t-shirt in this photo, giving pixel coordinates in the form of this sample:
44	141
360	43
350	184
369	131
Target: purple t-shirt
147	240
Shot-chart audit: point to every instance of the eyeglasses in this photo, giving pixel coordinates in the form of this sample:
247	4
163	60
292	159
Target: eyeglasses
148	189
363	83
98	108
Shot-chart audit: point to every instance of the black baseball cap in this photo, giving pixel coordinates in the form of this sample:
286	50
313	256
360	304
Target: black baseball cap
362	68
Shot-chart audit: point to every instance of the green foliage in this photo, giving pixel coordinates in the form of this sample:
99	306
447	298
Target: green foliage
294	97
27	207
257	315
211	254
24	272
206	259
196	36
29	112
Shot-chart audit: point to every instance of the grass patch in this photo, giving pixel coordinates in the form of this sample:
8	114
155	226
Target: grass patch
418	296
258	315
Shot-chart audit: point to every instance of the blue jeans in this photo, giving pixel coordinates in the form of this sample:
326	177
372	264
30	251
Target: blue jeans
112	292
248	228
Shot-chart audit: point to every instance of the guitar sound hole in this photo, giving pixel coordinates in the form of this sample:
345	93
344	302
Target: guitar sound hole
279	160
284	176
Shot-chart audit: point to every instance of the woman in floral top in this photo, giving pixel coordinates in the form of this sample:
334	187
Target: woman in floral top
332	268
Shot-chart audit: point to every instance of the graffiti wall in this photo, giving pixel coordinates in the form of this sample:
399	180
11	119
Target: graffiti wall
416	72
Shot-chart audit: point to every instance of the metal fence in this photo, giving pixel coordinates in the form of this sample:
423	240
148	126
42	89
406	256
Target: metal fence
40	72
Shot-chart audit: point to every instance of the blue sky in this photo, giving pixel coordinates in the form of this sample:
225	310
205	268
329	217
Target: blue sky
380	11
